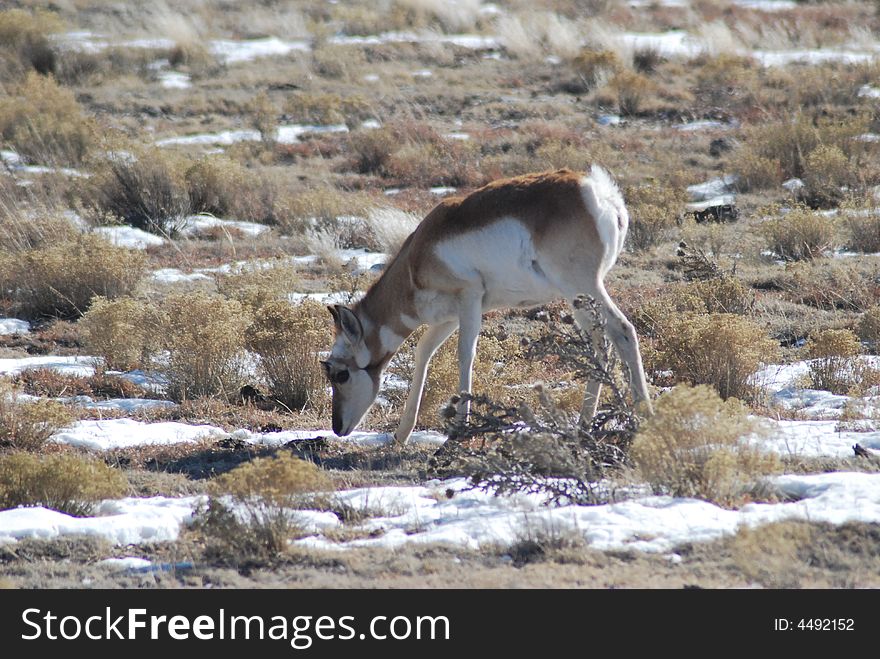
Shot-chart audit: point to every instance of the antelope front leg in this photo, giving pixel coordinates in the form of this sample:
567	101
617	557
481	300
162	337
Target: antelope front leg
470	319
428	344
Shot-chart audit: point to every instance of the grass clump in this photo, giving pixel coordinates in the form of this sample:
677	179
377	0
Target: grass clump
861	223
800	234
256	286
64	482
721	350
24	42
695	445
868	328
27	425
835	366
59	280
119	331
201	342
654	209
144	188
43	122
252	511
287	339
827	171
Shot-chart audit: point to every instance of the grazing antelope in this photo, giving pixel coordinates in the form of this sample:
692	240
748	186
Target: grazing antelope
517	242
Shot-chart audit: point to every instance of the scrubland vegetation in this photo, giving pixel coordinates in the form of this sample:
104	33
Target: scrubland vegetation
384	126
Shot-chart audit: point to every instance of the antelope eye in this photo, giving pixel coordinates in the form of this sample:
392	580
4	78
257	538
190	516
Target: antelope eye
341	377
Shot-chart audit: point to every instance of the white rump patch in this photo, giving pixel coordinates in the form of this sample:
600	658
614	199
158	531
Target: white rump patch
605	203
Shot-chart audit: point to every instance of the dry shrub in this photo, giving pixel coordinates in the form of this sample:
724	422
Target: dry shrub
26	229
827	170
25	44
721	294
120	332
835	366
436	163
223	187
43	122
390	227
288	339
327	108
791	142
258	284
61	279
27	425
832	284
203	338
595	67
142	187
861	222
65	482
774	554
320	206
754	171
195	57
264	118
252	511
801	234
631	90
696	445
722	350
869	326
720	77
371	149
49	382
654	209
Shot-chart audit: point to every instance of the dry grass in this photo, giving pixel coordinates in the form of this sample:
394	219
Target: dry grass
142	187
800	234
43	122
203	339
722	350
249	516
60	279
695	445
27	425
64	481
25	42
287	339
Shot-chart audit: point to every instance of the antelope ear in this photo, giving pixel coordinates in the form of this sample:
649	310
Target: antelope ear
350	324
332	309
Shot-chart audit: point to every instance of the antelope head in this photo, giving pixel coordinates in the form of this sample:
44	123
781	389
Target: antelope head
350	369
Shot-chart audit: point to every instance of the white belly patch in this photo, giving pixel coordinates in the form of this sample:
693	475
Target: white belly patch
501	259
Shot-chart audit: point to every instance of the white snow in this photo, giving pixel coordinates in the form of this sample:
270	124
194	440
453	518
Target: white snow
233	52
14	326
123	522
195	223
360	257
78	366
175	80
470	41
175	276
656	523
127	563
287	134
127	433
713	188
476	519
131	237
705	124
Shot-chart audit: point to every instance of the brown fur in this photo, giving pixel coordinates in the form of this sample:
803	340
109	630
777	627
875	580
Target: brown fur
541	201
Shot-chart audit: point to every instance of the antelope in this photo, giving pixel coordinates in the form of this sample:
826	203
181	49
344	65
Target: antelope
517	242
